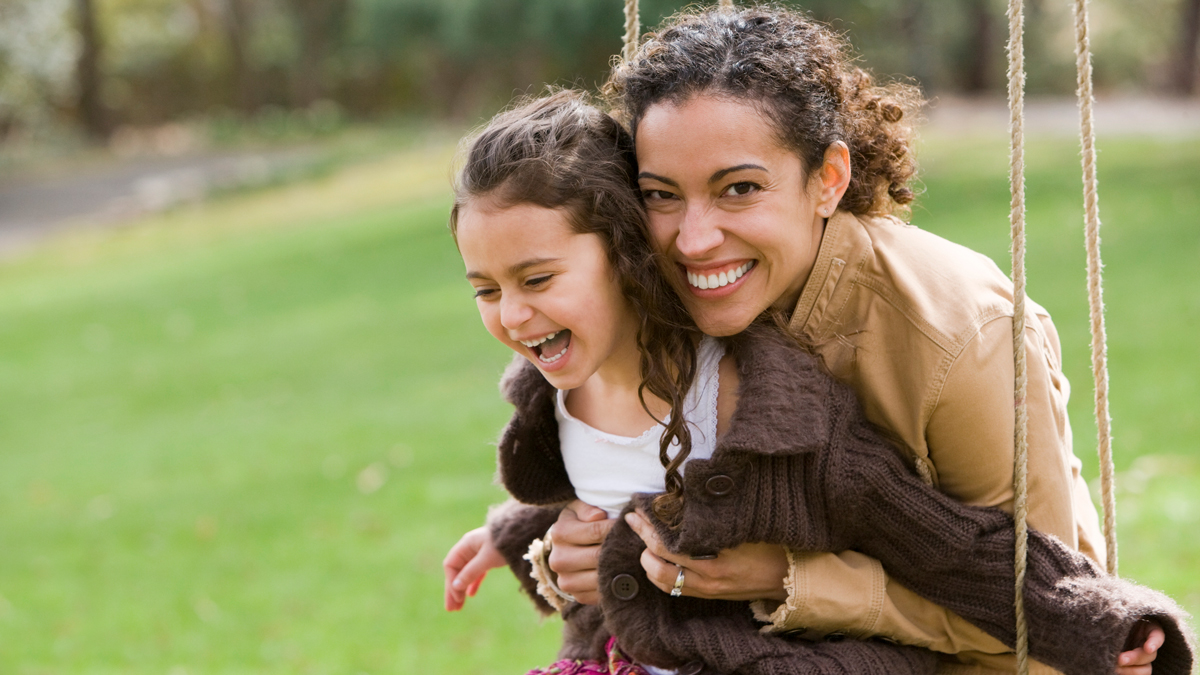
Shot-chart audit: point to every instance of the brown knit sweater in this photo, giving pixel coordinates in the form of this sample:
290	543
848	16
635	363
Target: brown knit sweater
801	467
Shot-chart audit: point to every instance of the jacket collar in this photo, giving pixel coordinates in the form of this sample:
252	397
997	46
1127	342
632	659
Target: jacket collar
844	244
783	408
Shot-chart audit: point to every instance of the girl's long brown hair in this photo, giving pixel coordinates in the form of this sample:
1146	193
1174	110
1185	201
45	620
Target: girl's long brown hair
559	151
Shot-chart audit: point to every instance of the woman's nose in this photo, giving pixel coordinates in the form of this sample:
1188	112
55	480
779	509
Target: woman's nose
699	233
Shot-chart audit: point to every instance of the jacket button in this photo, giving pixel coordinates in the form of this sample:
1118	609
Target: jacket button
692	668
624	586
718	486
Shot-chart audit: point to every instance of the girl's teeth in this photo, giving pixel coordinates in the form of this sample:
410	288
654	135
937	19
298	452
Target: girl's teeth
551	359
533	343
705	282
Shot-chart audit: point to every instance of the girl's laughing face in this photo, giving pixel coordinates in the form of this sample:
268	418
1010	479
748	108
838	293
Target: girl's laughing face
545	290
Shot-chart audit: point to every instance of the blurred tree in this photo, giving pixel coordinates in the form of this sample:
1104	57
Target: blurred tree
87	72
1185	63
321	25
168	59
235	20
38	53
975	75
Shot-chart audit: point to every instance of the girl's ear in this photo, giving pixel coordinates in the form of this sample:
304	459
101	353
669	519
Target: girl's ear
832	177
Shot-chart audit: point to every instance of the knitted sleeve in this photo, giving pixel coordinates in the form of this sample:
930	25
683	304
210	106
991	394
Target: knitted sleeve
514	526
961	557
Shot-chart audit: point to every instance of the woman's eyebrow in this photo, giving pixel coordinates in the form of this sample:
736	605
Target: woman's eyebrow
740	167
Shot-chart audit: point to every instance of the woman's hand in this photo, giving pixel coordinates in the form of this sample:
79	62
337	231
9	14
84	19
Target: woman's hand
467	564
577	535
748	572
1148	637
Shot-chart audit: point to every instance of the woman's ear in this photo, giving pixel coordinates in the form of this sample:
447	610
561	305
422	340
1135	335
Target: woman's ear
832	178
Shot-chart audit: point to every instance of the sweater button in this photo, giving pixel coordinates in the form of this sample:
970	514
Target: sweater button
719	486
624	586
691	668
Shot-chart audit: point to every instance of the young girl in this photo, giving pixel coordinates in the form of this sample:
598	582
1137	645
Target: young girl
755	443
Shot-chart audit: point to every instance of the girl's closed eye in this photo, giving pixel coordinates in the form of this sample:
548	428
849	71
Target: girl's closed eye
540	280
657	195
486	293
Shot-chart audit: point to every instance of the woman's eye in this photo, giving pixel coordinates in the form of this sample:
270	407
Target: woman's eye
652	195
484	293
741	189
538	281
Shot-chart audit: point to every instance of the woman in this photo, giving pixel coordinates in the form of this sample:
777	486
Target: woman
759	142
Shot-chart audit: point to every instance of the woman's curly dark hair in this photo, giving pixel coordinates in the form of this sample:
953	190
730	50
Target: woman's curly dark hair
801	74
559	151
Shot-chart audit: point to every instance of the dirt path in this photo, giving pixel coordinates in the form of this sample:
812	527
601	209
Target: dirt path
111	191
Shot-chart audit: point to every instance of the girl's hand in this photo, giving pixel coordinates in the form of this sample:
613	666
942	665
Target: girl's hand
1148	637
748	572
467	564
577	535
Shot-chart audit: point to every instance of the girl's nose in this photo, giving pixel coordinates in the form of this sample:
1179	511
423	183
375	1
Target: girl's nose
514	311
699	233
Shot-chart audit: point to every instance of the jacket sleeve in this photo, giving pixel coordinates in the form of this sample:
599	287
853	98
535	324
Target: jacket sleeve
850	593
970	433
513	527
969	438
961	557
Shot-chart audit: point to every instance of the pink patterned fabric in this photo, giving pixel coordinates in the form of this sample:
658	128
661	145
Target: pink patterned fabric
618	664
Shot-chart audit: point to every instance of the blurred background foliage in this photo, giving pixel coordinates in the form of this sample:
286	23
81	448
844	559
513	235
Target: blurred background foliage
98	65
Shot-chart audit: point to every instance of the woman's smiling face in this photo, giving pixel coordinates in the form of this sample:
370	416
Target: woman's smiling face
732	208
546	291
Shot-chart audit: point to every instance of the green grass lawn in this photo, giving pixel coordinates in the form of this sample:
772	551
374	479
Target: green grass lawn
239	437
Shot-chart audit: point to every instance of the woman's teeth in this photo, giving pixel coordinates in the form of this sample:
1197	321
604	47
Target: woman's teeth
705	282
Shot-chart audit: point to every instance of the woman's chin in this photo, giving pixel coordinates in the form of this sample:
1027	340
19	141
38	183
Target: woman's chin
720	319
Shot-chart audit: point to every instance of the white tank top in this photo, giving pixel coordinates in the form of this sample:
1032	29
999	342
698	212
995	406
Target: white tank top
606	470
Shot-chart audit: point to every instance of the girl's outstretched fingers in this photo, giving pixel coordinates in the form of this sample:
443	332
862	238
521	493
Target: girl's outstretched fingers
466	565
1148	636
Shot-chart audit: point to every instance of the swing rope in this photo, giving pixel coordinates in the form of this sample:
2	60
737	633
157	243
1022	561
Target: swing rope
1087	138
1016	179
631	30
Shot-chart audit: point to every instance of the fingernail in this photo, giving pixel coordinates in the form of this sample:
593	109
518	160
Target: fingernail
458	585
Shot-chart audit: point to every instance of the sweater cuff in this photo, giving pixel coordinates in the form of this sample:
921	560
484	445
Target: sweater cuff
828	594
539	560
513	526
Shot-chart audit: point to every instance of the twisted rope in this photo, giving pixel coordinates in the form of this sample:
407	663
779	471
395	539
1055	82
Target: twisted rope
631	30
1087	139
1016	178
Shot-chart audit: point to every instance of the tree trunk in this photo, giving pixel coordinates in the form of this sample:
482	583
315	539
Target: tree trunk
236	21
913	22
976	72
87	73
1185	64
320	23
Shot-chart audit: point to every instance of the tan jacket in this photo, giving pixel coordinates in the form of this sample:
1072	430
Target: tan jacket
921	328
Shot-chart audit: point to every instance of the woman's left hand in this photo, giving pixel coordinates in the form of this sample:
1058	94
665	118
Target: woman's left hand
748	572
1148	636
